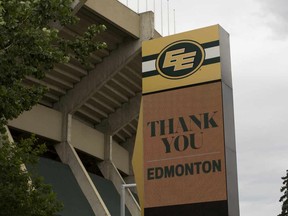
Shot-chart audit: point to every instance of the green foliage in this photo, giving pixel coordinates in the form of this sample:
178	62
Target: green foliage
30	46
284	197
21	192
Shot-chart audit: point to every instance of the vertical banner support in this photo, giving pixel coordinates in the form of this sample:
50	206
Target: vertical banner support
185	152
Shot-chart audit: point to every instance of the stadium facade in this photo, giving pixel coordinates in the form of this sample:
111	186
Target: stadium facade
88	119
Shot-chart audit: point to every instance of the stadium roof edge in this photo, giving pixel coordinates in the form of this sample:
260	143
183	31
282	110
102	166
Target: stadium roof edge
117	14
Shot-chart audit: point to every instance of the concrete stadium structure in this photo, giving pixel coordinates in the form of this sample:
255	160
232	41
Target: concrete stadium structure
88	119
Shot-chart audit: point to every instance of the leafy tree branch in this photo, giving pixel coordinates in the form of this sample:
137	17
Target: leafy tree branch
30	46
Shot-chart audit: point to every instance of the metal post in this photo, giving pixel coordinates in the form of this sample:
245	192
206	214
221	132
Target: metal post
161	19
174	22
168	17
122	198
122	203
138	6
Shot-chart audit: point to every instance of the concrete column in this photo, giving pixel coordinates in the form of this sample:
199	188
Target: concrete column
147	25
108	147
69	156
107	155
117	121
11	141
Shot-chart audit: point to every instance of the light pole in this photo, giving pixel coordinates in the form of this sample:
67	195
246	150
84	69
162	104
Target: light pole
123	200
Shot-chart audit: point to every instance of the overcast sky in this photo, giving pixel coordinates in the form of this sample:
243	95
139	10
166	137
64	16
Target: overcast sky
259	42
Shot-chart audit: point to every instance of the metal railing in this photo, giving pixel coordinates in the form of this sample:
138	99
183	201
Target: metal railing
122	198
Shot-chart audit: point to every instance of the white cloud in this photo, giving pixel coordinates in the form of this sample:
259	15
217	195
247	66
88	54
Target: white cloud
275	15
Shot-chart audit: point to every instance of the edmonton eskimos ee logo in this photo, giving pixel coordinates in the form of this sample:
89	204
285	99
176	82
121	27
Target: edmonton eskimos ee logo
180	59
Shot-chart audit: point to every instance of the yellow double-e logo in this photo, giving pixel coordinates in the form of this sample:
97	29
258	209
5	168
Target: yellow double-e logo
180	59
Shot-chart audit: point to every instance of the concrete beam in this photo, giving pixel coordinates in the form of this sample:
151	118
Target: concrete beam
80	135
121	117
117	14
69	156
110	172
77	4
8	135
29	121
97	78
105	71
120	158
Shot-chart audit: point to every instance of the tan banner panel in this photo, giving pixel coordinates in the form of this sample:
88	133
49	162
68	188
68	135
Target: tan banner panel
184	159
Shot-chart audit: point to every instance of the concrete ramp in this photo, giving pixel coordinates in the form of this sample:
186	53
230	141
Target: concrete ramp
65	186
109	194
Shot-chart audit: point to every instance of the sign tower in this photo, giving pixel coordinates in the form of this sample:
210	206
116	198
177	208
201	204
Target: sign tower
185	157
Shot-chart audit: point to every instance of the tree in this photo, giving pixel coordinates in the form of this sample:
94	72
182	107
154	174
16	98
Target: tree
23	193
30	46
284	197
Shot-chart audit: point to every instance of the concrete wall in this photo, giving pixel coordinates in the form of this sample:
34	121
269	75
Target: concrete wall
87	139
120	157
117	14
40	120
47	122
